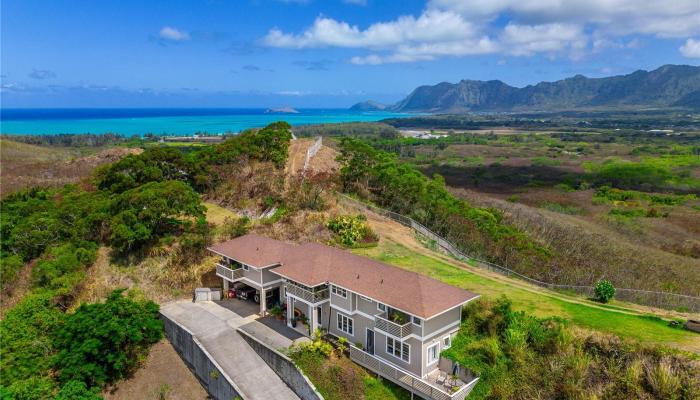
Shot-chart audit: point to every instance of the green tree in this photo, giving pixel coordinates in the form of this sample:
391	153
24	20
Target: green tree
148	211
102	342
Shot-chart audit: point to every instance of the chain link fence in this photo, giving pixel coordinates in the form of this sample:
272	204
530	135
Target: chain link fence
666	300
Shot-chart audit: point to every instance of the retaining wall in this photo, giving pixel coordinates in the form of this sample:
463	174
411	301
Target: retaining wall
210	375
284	368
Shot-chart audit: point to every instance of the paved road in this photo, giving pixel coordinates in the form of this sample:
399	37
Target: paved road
215	327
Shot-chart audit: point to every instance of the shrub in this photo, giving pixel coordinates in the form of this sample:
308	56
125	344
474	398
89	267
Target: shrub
233	228
351	230
101	343
604	290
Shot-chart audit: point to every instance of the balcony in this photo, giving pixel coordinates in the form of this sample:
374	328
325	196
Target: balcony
310	295
228	273
427	388
394	323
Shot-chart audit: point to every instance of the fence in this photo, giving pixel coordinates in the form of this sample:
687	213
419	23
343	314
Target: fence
312	151
645	297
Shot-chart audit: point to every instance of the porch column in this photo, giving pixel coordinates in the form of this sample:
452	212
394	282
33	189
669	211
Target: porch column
263	302
225	285
290	311
312	320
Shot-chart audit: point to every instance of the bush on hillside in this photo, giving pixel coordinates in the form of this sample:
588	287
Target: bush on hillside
103	342
604	291
351	230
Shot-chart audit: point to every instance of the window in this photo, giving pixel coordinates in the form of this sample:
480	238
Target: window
339	291
245	267
417	321
398	349
433	353
381	307
447	342
345	324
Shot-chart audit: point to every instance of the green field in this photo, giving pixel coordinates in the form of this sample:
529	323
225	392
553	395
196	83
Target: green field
644	328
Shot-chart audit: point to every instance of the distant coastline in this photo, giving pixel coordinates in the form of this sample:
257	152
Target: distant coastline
168	121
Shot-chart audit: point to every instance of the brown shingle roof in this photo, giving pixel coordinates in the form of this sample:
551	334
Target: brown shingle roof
257	251
312	264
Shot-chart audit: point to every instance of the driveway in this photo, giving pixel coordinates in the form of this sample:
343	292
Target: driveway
215	328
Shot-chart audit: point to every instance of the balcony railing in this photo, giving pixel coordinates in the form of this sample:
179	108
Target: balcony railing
307	295
228	273
407	380
383	323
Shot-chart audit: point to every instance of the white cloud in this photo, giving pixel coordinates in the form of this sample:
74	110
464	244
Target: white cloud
664	19
556	28
175	35
691	48
431	26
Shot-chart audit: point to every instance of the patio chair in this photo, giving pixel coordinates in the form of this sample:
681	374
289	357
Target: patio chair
442	377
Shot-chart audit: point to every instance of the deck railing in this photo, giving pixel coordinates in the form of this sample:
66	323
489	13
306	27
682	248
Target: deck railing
307	295
228	273
382	323
406	379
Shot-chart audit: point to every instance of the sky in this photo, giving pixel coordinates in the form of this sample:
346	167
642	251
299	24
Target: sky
320	53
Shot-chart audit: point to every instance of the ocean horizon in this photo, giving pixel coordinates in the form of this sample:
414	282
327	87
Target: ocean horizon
167	121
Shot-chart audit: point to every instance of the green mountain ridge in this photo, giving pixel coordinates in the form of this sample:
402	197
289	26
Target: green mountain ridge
665	87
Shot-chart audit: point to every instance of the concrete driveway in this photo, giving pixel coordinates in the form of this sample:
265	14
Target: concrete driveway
215	328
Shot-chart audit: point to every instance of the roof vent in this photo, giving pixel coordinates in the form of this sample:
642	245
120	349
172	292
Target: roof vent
358	276
381	282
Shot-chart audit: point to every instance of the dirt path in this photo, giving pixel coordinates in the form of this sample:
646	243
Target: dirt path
393	231
297	155
19	288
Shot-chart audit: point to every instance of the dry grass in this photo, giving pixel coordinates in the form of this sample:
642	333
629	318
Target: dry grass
25	165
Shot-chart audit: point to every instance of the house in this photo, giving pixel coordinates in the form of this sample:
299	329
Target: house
397	321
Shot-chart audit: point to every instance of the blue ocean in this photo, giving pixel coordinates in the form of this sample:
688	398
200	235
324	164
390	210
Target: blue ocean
167	121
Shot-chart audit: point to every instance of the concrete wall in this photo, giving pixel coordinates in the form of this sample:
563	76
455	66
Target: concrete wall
284	368
210	375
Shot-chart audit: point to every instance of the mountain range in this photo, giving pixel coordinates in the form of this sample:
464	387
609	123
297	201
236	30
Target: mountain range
669	86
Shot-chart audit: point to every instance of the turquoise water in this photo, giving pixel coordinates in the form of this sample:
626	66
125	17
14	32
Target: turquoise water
167	121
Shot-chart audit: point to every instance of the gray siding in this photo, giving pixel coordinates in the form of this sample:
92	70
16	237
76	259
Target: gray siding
345	304
269	275
360	326
367	307
441	321
414	366
253	274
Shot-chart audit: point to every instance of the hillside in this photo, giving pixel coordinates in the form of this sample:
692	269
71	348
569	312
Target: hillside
667	86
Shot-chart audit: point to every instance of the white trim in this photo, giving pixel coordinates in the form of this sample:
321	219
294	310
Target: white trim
413	321
460	305
421	338
437	354
438	332
335	290
401	343
381	304
350	324
304	301
337	308
273	282
365	298
445	347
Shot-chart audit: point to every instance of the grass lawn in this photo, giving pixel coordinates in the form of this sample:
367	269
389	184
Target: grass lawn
217	214
644	328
